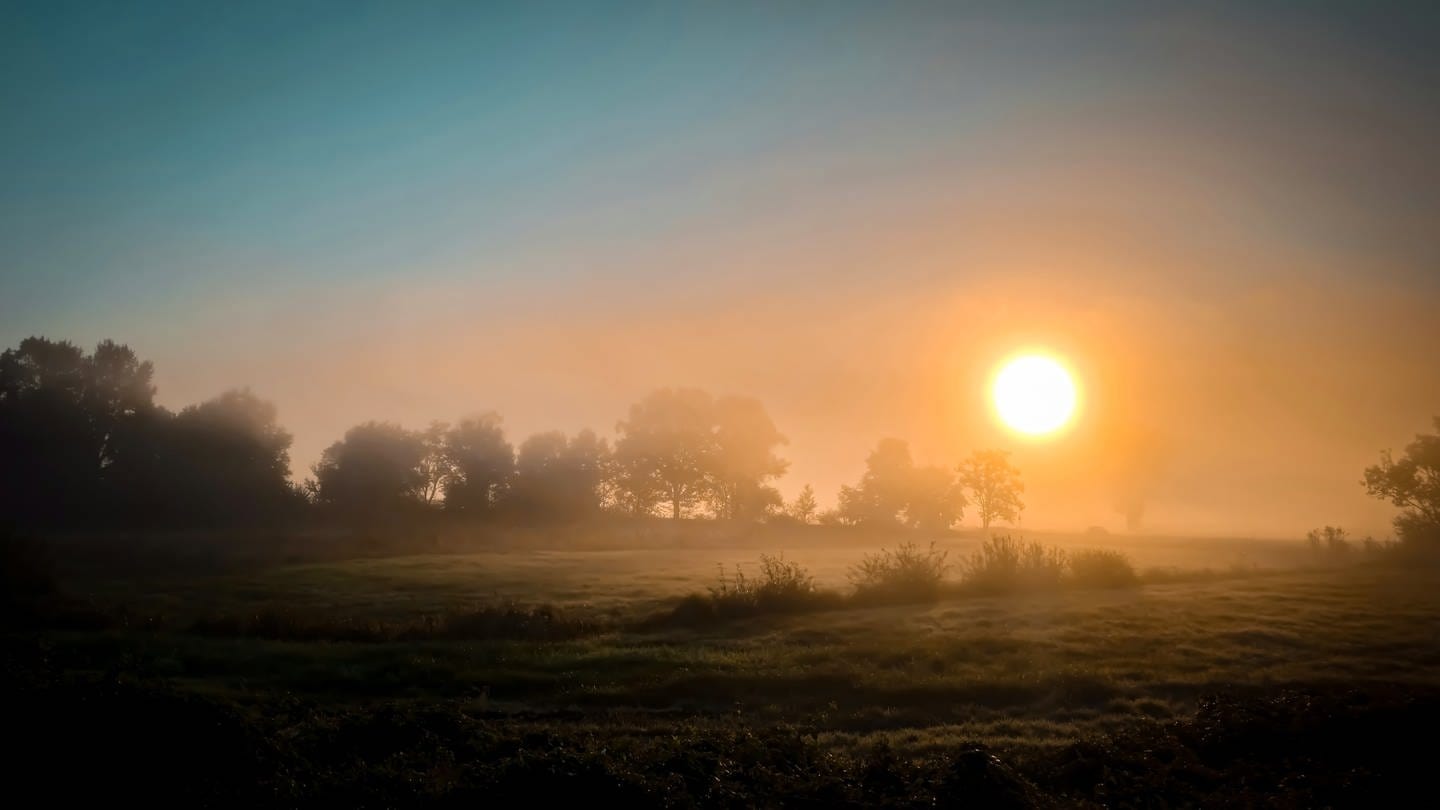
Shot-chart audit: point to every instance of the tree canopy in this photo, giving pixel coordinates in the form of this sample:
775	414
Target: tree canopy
893	491
994	485
1412	483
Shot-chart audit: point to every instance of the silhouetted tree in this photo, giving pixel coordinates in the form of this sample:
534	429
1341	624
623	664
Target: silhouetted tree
935	501
376	467
994	485
884	489
227	460
587	463
1413	484
742	460
67	420
436	468
481	463
558	478
805	509
663	454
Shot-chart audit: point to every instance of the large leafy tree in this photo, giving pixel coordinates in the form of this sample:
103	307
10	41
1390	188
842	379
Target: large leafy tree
480	464
893	491
884	490
227	460
743	460
560	478
994	485
681	448
936	500
664	452
1412	483
376	467
70	425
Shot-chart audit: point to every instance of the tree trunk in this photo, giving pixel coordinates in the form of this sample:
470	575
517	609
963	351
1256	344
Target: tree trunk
674	508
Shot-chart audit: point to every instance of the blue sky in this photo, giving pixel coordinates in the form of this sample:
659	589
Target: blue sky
288	195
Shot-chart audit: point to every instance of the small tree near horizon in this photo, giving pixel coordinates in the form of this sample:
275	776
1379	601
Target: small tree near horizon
994	485
805	508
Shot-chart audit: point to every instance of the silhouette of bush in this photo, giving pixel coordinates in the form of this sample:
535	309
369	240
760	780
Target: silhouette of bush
781	587
906	574
1005	564
1100	568
1329	545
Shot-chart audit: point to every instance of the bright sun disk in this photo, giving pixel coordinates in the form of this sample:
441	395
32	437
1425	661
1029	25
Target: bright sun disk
1034	394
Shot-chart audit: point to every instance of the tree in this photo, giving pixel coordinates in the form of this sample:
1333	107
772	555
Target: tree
481	463
663	454
884	489
67	421
227	460
804	508
994	485
586	464
936	501
376	467
742	460
558	478
1413	484
436	467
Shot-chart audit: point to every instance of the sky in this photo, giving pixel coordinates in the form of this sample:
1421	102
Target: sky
1223	218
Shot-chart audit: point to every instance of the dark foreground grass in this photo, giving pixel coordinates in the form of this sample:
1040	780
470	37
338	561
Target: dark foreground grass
1026	671
86	738
1290	688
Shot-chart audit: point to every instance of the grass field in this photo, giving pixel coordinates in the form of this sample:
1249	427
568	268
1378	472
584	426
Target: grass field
607	579
1010	670
1020	674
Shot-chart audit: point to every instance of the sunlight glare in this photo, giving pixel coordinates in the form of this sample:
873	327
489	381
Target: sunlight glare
1034	394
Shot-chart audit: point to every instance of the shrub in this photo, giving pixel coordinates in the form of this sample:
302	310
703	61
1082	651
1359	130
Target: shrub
781	587
1329	544
907	574
1102	569
1006	564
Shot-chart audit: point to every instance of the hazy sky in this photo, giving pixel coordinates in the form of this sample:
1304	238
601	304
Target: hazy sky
1225	219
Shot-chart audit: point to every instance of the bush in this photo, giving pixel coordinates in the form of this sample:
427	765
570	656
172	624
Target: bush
1330	544
781	587
1102	569
1006	564
907	574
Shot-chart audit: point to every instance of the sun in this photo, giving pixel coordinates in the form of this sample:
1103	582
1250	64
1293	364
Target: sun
1034	394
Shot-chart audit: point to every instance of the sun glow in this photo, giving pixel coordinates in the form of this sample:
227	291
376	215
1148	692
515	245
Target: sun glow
1034	394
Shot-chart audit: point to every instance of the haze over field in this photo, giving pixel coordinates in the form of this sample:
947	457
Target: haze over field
1223	222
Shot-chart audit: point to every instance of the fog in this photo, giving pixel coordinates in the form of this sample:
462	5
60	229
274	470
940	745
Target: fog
1220	221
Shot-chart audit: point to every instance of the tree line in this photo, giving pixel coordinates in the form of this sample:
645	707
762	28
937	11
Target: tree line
83	442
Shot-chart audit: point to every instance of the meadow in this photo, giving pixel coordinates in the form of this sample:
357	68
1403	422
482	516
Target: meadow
1025	676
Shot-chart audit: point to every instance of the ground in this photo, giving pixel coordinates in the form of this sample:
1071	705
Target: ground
1019	675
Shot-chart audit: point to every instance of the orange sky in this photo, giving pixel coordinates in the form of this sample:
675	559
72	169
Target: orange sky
1222	217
